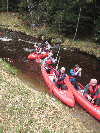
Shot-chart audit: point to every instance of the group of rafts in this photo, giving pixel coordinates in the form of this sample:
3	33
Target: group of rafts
69	95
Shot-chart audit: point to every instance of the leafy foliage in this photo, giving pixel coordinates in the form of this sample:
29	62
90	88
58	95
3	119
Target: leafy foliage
62	15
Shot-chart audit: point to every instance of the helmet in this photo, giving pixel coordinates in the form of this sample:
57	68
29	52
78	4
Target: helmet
94	81
46	42
51	54
63	68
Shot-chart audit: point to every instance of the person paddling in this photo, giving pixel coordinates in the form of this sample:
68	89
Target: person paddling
91	92
59	79
74	74
48	61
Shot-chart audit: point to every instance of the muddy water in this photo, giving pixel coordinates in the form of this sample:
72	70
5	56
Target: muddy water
13	49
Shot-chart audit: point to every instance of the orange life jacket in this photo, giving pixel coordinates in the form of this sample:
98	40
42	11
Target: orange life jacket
38	49
59	75
48	63
91	90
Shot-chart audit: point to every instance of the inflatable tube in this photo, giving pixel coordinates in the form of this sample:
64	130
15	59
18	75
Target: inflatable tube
34	56
65	96
89	107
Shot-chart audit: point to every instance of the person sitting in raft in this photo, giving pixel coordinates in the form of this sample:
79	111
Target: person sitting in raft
38	49
74	73
47	45
59	79
91	92
47	48
48	61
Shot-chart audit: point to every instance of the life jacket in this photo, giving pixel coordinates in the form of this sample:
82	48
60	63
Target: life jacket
59	75
38	49
70	75
91	92
48	63
47	45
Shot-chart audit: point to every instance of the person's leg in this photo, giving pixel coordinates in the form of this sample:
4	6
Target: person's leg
97	101
77	85
56	85
47	70
63	87
73	81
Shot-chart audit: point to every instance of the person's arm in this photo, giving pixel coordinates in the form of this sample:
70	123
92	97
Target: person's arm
86	90
78	72
96	93
44	61
53	60
62	78
72	72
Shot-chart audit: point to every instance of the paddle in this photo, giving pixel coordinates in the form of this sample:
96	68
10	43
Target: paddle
58	61
57	53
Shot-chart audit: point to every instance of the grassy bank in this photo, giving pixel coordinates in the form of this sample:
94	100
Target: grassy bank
11	22
25	110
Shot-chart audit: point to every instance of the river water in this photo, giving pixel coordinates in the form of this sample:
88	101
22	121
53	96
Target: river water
15	47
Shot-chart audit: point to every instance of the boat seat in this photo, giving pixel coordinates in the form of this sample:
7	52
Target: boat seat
81	92
51	77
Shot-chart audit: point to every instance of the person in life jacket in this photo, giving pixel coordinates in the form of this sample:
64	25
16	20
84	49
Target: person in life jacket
38	49
74	74
48	61
91	92
59	79
47	47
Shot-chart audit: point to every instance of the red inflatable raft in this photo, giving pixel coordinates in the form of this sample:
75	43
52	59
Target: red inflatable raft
34	56
65	96
89	107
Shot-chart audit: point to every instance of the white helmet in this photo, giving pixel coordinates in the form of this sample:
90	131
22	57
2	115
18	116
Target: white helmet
63	68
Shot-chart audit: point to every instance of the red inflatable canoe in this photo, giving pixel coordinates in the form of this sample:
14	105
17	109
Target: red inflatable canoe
34	56
65	96
89	107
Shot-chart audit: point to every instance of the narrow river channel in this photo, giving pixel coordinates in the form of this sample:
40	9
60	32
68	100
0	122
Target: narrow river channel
13	49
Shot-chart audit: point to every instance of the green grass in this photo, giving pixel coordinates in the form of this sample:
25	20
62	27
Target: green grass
8	68
24	109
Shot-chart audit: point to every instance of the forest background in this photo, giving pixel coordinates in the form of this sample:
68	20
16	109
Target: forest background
60	15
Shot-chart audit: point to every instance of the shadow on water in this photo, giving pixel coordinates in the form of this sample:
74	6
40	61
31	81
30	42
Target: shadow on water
14	52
